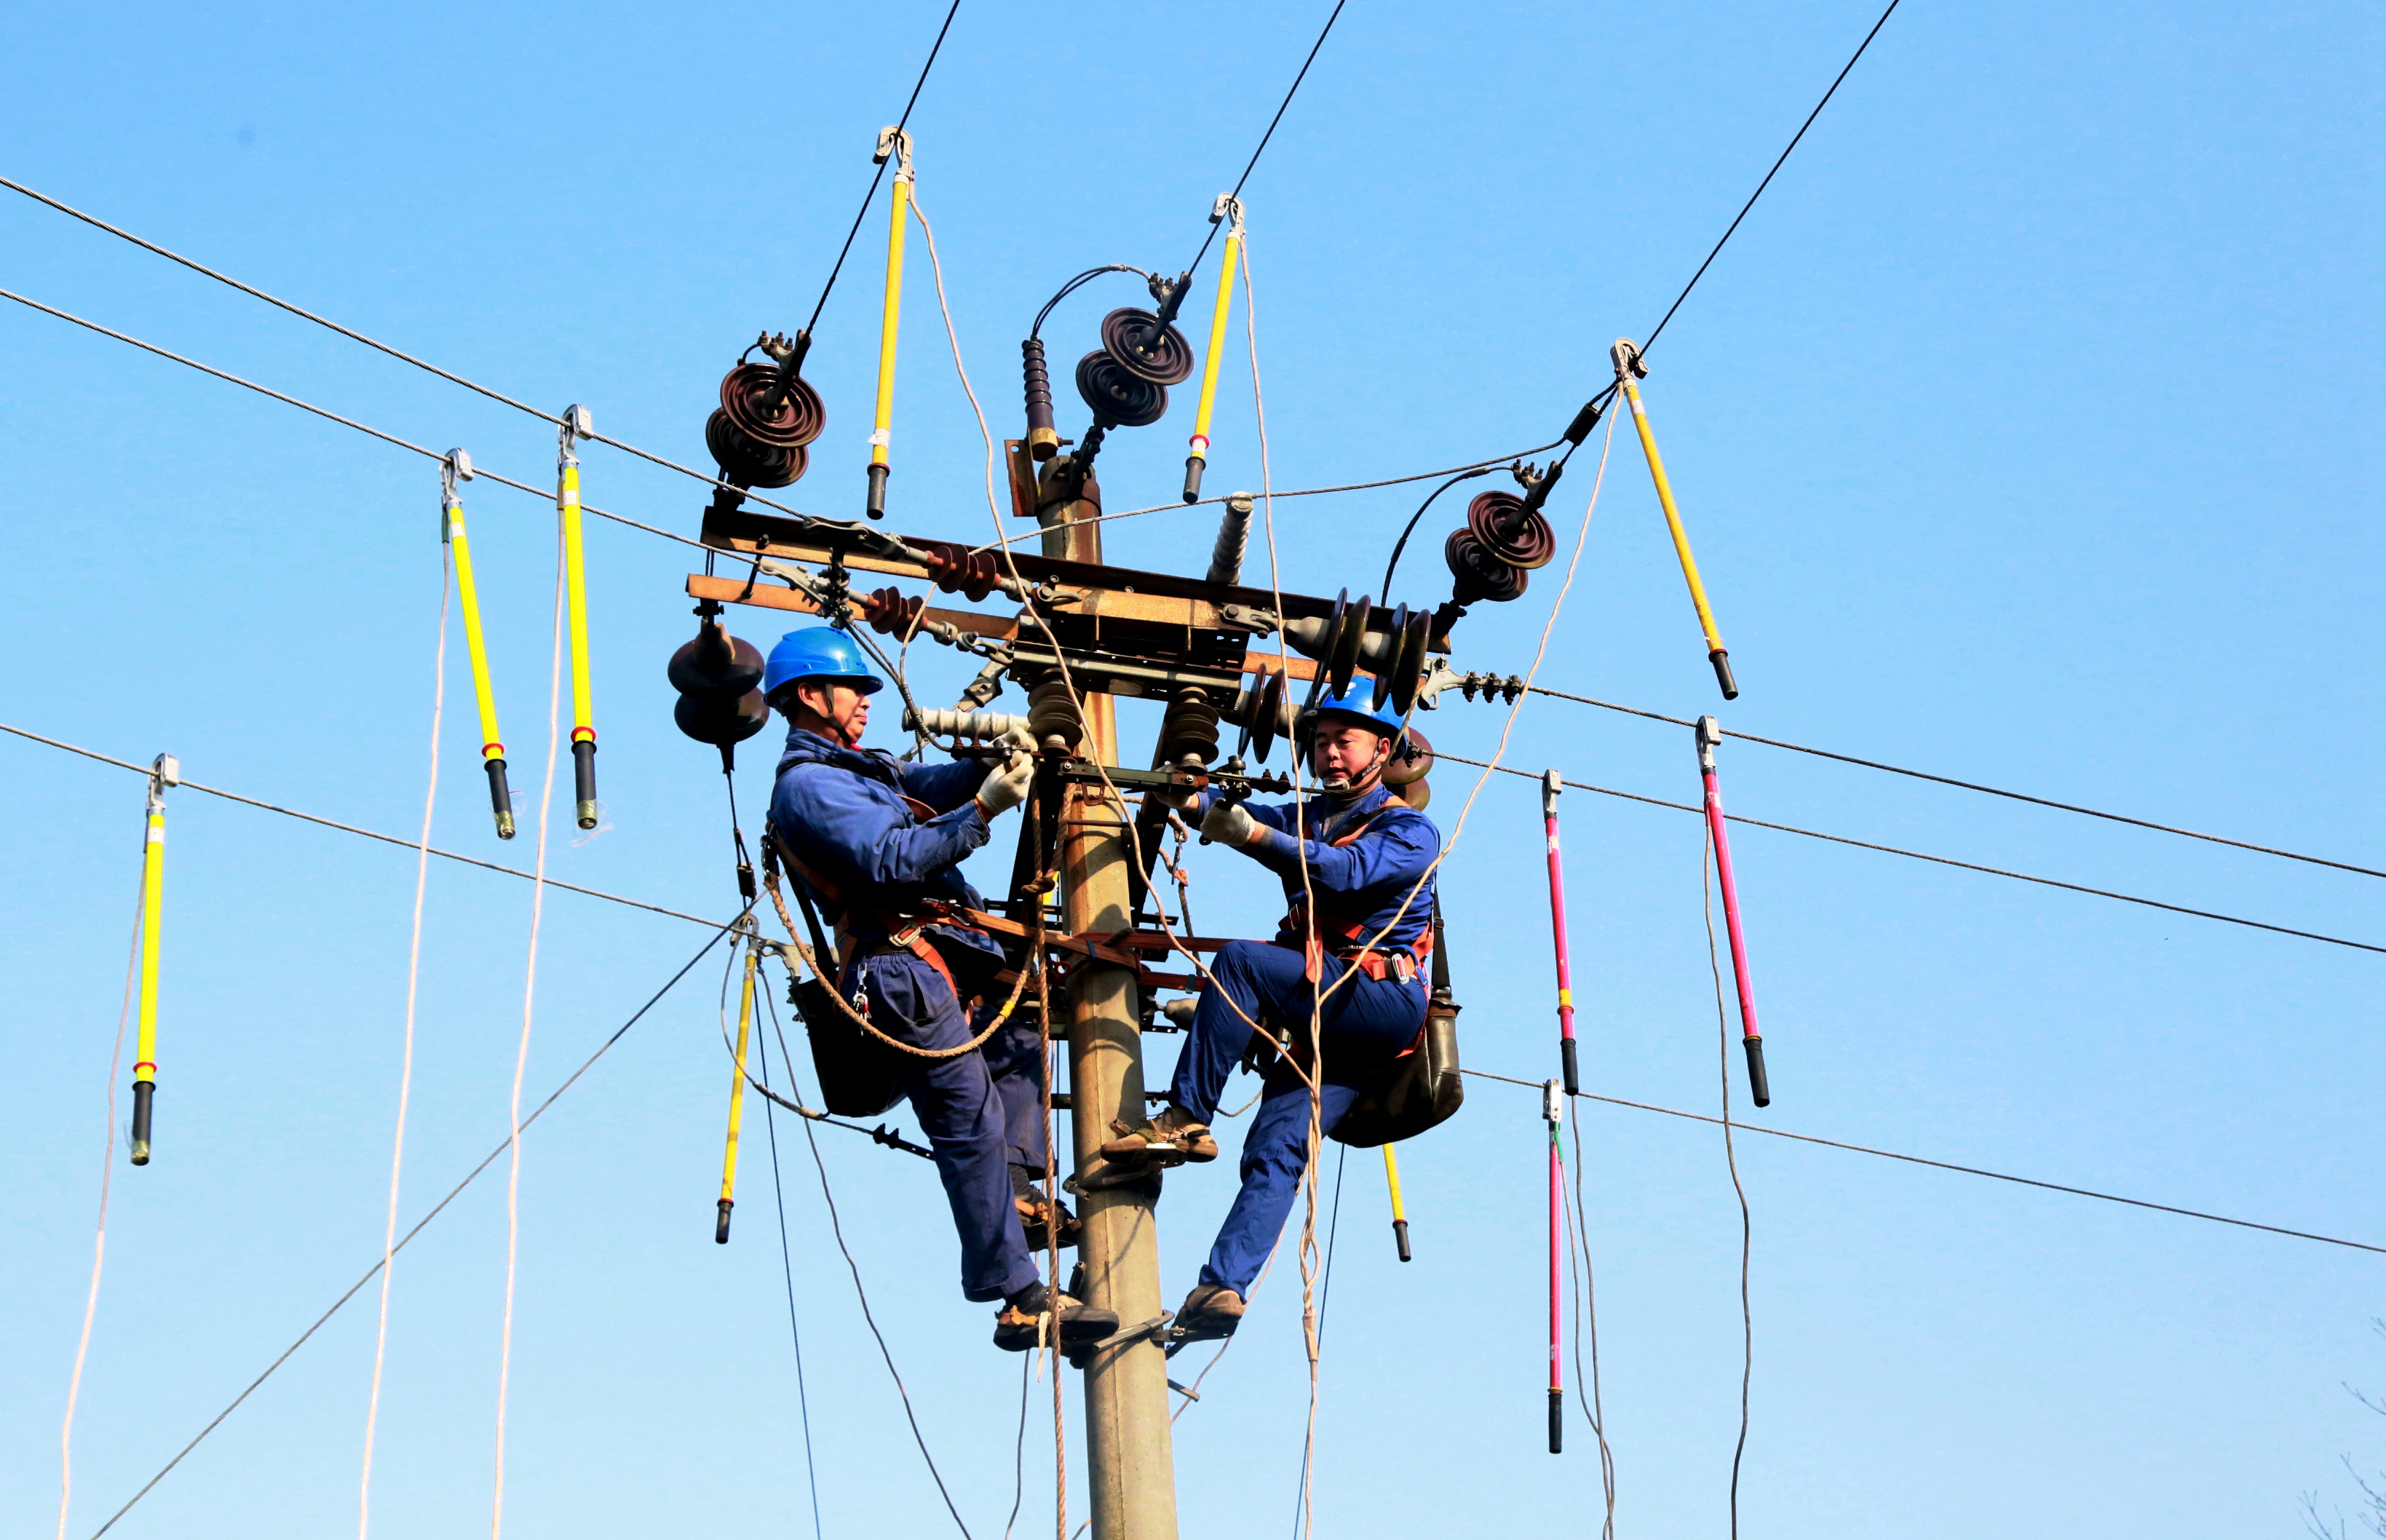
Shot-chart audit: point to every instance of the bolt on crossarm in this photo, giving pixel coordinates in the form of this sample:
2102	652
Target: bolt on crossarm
1628	368
456	467
577	423
1710	734
167	771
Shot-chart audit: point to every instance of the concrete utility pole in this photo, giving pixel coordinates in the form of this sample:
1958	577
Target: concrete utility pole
1127	1441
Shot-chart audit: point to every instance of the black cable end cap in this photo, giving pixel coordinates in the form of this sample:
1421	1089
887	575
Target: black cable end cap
1759	1091
1193	465
720	1225
1566	1060
1400	1236
875	507
1722	661
501	799
584	781
1557	1421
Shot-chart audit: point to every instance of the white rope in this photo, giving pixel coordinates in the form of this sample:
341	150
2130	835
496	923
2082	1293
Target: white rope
406	1058
521	1052
99	1240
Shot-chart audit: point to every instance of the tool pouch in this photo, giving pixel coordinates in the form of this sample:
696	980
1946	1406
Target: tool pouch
859	1076
1422	1088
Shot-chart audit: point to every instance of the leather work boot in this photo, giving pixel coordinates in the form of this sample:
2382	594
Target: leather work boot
1171	1139
1209	1314
1036	1212
1081	1325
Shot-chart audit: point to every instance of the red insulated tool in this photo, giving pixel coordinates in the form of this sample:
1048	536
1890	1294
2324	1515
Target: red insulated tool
1710	734
1550	786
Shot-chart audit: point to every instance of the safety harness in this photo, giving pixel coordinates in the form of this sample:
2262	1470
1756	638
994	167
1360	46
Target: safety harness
1403	964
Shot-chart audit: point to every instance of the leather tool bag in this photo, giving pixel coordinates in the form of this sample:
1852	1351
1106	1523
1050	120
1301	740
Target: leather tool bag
859	1076
1422	1088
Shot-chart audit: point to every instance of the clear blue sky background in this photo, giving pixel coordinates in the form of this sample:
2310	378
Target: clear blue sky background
2027	431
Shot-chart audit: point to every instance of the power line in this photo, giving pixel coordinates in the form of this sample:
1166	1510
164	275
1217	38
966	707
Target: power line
861	212
1941	860
1650	340
369	833
1950	1166
372	1271
1271	131
1971	785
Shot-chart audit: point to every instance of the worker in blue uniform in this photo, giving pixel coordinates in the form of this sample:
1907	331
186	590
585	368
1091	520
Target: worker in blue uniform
1369	861
877	843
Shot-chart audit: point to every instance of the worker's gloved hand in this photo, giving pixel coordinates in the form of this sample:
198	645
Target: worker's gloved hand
1007	787
1227	823
1020	738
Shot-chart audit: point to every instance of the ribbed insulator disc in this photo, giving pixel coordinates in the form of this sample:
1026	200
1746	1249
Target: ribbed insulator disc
747	462
1480	575
793	422
1517	538
1145	348
1117	395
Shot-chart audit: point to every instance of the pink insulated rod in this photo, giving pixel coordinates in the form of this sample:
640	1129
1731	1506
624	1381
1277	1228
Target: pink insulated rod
1710	734
1553	1110
1550	786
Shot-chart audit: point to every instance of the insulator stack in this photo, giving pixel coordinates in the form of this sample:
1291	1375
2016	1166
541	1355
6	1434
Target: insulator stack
890	611
767	415
1515	533
959	569
1233	537
1043	438
719	680
1479	574
980	726
1188	732
747	462
1052	716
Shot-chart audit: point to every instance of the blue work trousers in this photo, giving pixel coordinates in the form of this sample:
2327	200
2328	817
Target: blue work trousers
968	1107
1366	1024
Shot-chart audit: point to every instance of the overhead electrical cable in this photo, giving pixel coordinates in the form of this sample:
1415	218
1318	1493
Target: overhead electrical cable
1941	860
1650	341
1972	785
453	1193
1948	1166
1248	165
369	833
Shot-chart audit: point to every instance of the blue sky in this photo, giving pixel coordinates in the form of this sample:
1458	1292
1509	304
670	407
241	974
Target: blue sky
2027	432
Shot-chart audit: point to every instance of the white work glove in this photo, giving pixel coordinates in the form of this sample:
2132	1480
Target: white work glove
1007	787
1020	738
1228	824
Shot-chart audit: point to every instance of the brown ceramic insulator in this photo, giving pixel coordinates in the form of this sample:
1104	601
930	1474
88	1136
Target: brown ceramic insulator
1117	395
1416	793
1408	670
1479	574
959	569
1147	349
1052	716
715	664
748	462
1188	730
1042	438
1342	658
794	421
1411	761
890	611
1521	538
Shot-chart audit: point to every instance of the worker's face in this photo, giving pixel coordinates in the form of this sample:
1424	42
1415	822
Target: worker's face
837	712
1347	755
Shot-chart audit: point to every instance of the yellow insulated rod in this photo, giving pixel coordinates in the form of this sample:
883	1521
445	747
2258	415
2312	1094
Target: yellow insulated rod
165	772
577	423
737	1095
457	467
1629	367
1230	208
894	142
1400	1213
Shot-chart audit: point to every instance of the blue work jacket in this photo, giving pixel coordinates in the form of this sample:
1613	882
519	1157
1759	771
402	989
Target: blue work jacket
843	813
1363	882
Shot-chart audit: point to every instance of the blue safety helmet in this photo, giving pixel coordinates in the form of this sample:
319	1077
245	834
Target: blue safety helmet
818	652
1354	704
